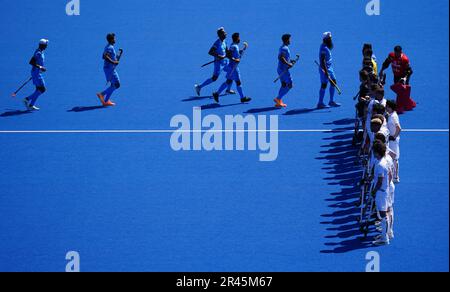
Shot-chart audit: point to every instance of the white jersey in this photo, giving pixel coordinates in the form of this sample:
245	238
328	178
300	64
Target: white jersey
393	122
370	111
382	171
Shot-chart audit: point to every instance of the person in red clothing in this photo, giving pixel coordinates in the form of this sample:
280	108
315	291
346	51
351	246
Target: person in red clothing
402	74
400	66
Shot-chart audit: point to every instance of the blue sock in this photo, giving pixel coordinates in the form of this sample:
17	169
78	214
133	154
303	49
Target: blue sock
283	91
206	83
108	92
321	95
229	86
332	91
33	98
222	87
241	93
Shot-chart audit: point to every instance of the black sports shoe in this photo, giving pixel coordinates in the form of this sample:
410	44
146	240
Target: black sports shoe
245	99
216	96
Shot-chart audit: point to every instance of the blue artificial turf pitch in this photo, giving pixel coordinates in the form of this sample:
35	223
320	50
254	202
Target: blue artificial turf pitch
127	202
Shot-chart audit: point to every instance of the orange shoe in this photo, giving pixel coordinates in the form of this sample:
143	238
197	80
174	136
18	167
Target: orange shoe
282	104
110	103
102	98
277	102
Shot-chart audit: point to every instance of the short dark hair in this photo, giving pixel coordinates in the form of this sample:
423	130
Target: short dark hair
380	91
392	104
235	36
379	109
286	37
379	148
110	36
380	137
398	49
367	47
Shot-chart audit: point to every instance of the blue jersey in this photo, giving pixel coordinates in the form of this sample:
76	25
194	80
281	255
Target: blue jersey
39	58
109	49
221	47
286	53
221	50
235	53
325	51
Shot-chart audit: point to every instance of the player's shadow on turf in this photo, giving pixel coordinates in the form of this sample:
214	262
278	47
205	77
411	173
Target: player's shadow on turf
14	113
80	109
338	156
216	105
195	98
303	111
262	110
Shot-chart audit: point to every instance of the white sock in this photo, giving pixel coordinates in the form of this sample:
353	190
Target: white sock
391	223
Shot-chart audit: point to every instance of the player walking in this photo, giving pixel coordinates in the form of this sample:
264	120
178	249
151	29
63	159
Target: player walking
284	64
37	64
219	52
326	71
111	61
232	69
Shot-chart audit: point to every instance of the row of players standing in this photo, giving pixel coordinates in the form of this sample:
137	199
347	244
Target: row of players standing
380	143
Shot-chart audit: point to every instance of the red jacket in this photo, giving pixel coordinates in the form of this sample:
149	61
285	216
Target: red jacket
399	65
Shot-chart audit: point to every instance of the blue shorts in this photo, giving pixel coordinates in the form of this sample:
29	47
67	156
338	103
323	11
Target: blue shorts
111	76
323	77
219	66
286	78
38	80
234	75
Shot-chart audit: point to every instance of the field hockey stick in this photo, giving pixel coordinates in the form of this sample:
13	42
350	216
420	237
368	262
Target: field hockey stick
285	71
20	88
209	63
242	54
329	78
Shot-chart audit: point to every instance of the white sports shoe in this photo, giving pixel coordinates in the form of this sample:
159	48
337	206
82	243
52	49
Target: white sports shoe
397	180
380	242
34	108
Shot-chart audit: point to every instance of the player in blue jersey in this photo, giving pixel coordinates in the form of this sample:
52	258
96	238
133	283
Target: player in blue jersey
284	64
111	61
219	52
326	71
232	69
37	63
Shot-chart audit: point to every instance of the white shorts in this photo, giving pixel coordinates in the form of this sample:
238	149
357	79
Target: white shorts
395	147
382	201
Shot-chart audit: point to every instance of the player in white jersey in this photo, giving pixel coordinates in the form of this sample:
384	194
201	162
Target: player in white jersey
381	191
395	129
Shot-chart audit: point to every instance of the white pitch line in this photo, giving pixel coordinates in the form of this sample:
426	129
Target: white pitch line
201	131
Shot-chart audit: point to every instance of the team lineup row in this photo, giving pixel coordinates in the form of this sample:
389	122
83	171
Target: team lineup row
226	59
